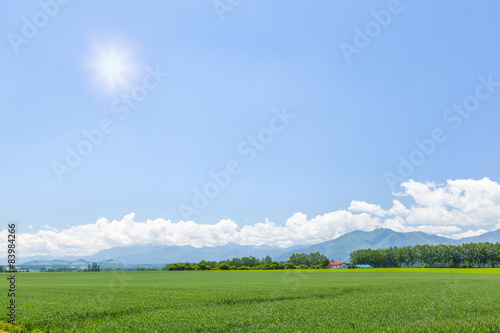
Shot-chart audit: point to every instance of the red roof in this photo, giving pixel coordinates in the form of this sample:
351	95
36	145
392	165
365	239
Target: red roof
335	264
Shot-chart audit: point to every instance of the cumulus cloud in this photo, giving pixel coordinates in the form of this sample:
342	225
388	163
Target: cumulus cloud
458	202
398	209
361	206
398	224
469	233
103	234
443	209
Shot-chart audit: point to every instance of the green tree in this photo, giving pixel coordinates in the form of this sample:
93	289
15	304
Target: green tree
176	267
310	259
324	263
223	267
465	255
201	267
267	260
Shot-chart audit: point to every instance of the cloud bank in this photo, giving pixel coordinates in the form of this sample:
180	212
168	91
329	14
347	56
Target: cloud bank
456	209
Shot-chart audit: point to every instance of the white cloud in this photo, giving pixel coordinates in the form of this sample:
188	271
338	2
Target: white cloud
103	234
459	202
48	227
398	209
443	209
437	229
469	233
361	206
396	224
399	224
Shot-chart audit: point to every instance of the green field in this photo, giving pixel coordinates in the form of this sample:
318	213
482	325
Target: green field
417	300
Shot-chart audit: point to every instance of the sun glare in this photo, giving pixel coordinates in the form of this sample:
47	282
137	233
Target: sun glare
112	67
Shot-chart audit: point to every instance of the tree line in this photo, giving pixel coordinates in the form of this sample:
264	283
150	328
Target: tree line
296	261
95	267
471	255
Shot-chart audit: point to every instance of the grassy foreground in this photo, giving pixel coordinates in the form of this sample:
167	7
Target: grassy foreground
414	300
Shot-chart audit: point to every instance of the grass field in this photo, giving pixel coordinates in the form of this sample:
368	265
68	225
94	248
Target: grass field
385	300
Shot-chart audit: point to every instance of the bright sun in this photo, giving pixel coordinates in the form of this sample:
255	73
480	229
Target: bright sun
112	67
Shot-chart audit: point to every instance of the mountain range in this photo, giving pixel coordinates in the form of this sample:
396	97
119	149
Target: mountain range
337	249
340	248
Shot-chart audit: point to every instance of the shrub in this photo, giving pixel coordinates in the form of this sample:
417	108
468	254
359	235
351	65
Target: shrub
223	267
176	267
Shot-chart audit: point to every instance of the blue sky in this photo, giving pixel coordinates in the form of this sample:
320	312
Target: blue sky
354	117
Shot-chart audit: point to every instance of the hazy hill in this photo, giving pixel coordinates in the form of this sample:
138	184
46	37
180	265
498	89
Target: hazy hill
137	255
337	249
78	264
170	254
489	237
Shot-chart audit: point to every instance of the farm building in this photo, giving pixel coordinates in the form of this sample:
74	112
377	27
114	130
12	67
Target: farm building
337	265
363	266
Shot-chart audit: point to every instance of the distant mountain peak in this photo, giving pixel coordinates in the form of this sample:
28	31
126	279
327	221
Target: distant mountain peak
337	249
382	238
